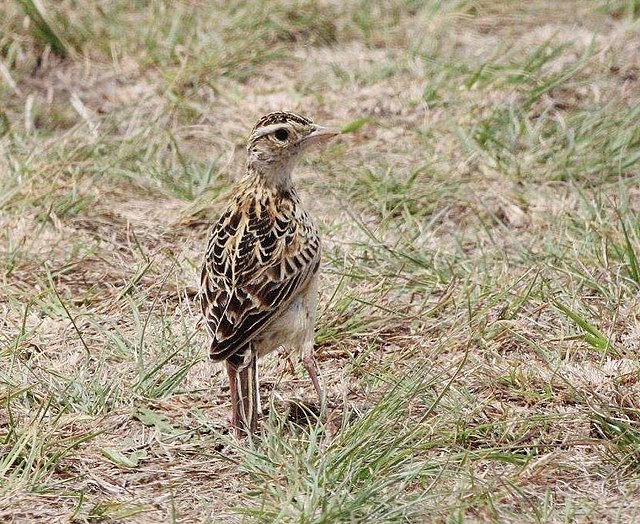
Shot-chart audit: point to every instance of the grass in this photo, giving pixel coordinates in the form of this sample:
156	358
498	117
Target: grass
478	328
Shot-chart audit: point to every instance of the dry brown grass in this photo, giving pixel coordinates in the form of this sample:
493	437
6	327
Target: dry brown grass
480	316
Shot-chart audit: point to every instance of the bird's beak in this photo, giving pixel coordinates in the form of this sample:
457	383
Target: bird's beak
319	135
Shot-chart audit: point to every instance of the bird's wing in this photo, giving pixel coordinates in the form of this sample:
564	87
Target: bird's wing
256	264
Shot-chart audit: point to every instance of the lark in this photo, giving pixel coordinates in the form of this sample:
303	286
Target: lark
259	281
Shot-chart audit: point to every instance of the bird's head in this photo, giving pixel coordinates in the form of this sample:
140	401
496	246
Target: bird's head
277	142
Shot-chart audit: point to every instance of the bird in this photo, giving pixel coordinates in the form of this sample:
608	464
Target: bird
260	276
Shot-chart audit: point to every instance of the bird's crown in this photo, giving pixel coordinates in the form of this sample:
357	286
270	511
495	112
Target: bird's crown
280	117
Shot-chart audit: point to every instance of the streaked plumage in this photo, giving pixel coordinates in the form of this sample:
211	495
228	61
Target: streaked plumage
259	278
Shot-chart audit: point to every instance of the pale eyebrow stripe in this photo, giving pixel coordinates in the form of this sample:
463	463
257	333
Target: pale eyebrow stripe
265	130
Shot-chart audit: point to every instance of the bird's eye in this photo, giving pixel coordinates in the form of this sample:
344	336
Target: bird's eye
281	134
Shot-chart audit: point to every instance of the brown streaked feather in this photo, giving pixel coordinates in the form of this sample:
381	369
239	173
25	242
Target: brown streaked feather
245	396
262	252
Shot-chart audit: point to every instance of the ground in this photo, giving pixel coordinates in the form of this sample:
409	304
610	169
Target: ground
479	320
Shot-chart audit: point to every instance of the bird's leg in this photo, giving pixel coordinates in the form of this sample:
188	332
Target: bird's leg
310	364
232	372
245	398
257	386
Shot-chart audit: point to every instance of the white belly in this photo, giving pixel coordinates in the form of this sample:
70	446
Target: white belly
294	329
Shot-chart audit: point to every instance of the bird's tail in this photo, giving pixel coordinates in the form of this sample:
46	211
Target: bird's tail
245	397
